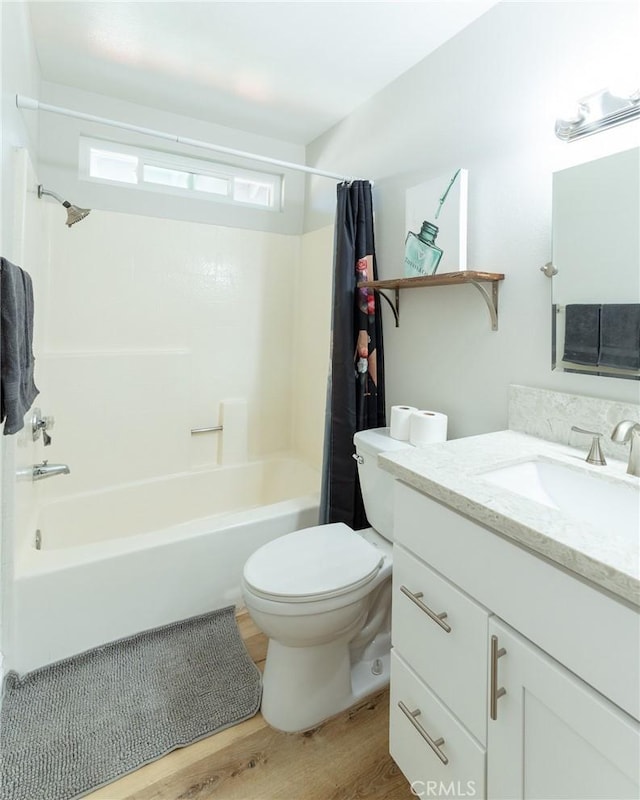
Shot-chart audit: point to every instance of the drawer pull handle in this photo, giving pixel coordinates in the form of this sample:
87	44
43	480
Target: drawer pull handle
434	744
496	693
439	619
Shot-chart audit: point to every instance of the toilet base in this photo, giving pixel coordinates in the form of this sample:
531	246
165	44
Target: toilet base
303	686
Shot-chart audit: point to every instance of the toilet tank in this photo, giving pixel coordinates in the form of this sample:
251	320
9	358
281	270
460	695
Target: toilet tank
375	483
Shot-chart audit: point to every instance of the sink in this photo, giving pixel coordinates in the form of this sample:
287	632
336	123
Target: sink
602	501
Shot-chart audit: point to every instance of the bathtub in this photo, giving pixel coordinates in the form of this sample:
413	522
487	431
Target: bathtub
116	562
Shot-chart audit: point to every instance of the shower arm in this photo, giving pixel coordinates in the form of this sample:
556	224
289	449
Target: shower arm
42	191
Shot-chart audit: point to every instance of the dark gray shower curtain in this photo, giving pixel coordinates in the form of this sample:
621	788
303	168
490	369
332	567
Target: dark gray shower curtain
355	394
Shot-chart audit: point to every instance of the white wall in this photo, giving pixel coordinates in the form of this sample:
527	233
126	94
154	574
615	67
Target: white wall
58	147
148	326
20	73
21	451
487	100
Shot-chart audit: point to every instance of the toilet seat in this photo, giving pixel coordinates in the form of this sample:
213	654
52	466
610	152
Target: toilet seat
313	564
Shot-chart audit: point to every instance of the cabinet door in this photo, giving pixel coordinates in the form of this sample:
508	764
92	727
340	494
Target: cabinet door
554	737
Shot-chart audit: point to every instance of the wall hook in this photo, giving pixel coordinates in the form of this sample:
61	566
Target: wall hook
549	270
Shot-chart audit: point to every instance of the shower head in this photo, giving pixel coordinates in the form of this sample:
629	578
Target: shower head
74	214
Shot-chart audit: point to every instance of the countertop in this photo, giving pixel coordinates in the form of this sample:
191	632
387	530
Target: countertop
451	472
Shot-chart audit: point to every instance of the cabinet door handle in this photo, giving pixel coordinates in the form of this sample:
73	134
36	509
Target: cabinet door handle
496	693
434	744
437	618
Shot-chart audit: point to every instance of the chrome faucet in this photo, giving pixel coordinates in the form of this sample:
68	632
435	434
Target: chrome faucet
40	423
46	470
629	431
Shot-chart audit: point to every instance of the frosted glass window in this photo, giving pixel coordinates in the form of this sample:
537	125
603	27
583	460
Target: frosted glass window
248	191
175	174
113	166
166	177
211	184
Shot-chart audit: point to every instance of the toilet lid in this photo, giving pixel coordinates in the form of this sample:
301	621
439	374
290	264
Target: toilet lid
321	562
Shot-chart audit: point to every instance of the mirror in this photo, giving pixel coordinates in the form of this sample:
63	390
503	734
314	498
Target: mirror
596	251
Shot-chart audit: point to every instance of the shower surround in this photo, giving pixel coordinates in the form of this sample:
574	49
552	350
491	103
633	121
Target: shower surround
150	328
149	325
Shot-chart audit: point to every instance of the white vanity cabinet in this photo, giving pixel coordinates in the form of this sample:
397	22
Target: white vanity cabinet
554	639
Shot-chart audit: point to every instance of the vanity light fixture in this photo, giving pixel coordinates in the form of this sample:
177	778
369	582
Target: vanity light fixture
599	111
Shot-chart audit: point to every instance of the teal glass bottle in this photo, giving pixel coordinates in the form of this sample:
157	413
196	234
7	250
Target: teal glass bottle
421	254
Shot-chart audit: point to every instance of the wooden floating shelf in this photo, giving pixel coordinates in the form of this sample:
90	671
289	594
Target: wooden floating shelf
472	277
443	279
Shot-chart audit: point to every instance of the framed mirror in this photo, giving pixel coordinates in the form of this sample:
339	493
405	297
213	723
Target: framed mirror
596	251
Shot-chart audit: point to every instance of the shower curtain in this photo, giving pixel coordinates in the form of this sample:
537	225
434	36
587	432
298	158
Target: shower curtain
355	393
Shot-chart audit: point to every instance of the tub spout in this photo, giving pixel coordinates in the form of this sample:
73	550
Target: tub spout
46	470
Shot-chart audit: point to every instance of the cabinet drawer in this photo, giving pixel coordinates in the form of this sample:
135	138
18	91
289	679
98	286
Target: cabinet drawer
453	664
464	772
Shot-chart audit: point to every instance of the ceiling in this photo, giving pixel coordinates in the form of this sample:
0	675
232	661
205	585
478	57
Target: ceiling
288	70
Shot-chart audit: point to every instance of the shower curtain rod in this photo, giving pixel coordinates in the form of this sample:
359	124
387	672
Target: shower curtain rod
30	104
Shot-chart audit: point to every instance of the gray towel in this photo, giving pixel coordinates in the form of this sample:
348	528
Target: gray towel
17	389
620	336
581	334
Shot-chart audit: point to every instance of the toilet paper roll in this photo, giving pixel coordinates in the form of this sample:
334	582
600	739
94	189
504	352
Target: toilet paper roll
427	427
400	420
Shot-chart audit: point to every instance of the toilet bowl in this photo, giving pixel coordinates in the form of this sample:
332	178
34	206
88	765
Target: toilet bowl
322	596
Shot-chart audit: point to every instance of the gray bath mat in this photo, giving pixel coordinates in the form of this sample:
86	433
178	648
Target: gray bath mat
74	726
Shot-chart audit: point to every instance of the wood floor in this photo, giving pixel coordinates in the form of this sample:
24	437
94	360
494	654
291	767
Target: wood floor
345	758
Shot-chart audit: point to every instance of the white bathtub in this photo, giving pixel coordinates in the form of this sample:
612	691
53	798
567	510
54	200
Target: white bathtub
117	562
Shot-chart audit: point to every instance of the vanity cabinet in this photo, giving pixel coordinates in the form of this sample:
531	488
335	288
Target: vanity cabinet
533	690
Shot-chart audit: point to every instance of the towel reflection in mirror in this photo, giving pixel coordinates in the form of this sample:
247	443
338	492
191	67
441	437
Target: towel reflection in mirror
603	335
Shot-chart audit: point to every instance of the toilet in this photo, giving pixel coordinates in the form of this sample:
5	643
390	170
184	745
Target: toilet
322	596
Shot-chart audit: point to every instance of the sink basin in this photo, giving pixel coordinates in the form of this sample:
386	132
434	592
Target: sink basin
605	503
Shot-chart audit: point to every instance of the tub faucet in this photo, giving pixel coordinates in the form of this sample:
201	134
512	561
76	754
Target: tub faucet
46	470
40	423
629	431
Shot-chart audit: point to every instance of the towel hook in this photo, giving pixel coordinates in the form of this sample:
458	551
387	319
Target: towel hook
549	270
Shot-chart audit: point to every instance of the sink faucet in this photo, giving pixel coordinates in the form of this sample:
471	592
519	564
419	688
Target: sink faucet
625	431
46	470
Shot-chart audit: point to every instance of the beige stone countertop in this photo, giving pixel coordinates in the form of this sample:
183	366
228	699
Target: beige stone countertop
451	472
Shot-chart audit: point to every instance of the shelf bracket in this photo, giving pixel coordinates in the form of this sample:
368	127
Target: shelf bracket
478	279
491	300
395	308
